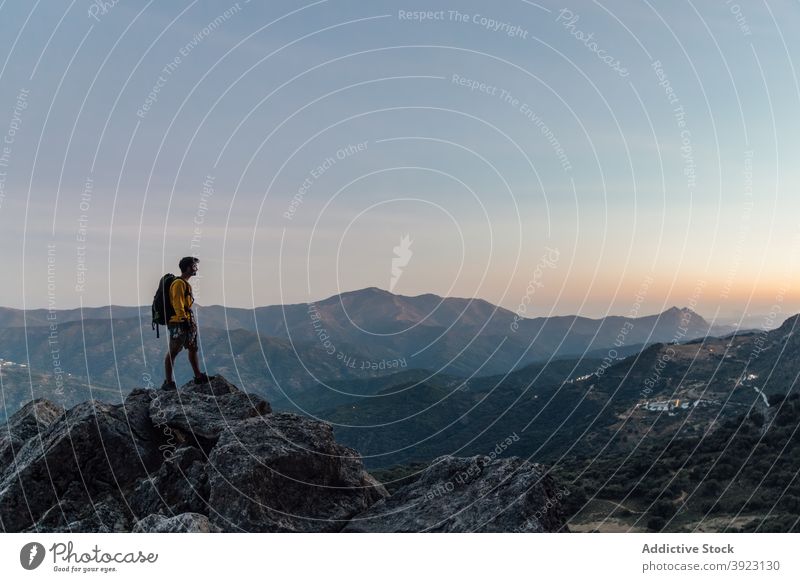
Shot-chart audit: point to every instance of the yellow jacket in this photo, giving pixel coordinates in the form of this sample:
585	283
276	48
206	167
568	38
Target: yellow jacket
180	293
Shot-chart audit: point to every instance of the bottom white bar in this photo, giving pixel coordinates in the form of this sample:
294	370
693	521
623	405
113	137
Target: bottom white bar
389	557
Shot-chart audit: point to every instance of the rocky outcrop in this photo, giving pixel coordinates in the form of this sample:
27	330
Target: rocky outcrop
476	494
203	458
197	414
81	458
28	422
212	458
287	476
183	523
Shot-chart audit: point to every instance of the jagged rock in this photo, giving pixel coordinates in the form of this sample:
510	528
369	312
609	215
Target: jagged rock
183	523
475	494
197	414
179	486
87	453
165	460
210	457
136	409
29	421
283	473
216	386
76	513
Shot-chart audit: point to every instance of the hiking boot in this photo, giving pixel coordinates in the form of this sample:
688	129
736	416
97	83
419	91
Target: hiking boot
169	385
202	378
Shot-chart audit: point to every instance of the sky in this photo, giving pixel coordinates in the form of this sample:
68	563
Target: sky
552	158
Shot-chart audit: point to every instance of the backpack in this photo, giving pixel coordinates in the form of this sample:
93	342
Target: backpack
162	303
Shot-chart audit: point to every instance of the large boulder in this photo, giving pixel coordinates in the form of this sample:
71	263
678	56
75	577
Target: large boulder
208	457
87	453
180	485
285	473
197	414
475	494
29	421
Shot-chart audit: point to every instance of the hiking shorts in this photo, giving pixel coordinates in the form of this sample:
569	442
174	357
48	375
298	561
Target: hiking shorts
185	333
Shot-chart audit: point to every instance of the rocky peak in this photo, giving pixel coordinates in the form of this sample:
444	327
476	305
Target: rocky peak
212	458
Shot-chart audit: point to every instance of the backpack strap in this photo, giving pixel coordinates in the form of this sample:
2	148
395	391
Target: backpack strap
189	294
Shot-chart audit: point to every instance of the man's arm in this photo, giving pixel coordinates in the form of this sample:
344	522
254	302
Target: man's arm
177	294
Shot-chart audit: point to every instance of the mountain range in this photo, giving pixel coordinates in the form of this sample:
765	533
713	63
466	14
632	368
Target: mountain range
289	353
593	392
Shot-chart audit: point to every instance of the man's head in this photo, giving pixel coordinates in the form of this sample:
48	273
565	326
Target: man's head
188	265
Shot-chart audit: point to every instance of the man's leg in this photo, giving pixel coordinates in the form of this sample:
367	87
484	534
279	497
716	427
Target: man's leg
175	348
193	359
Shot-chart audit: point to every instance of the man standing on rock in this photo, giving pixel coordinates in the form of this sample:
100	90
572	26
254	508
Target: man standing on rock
182	325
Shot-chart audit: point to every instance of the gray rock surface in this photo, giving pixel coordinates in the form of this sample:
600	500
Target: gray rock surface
76	514
178	486
475	494
211	458
160	459
286	473
183	523
28	422
197	417
84	455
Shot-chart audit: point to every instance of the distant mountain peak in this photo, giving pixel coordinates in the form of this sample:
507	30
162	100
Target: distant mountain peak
365	292
676	311
373	290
